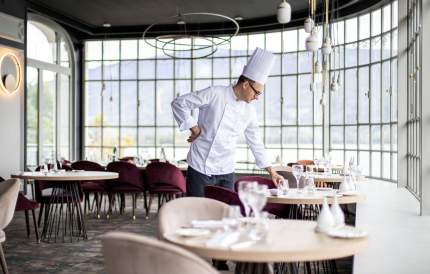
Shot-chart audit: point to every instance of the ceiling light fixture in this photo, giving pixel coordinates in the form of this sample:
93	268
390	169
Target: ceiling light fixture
284	12
187	43
106	25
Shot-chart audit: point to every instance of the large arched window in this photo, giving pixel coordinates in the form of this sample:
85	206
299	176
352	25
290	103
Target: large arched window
49	91
129	86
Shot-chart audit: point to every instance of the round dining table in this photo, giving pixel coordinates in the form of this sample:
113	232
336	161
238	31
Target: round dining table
287	241
64	216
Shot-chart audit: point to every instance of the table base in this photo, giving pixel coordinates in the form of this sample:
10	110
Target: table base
64	219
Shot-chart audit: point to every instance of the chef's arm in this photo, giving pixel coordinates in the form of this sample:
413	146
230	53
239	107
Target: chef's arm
183	105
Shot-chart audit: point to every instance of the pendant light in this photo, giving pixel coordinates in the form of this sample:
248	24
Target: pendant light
284	12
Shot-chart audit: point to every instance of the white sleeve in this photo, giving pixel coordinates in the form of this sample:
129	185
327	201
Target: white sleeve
253	139
182	106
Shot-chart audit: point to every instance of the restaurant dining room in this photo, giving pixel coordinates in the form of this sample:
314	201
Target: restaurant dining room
204	137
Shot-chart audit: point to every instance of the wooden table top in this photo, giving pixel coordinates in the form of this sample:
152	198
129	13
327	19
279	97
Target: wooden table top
67	176
287	241
304	198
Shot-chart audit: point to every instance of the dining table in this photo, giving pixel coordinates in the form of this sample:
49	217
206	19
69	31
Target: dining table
286	241
64	218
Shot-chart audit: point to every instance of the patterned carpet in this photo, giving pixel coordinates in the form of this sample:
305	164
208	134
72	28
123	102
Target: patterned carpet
24	255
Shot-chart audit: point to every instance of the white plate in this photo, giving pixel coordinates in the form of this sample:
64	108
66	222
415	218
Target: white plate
324	189
347	232
192	232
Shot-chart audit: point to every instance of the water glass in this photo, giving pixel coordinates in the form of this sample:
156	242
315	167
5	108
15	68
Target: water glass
309	184
297	172
231	219
244	189
258	199
283	186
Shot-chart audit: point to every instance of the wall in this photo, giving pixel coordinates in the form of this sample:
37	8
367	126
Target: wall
12	107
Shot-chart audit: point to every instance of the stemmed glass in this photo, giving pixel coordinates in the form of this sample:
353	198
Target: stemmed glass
283	186
297	172
231	219
259	199
32	168
244	189
309	184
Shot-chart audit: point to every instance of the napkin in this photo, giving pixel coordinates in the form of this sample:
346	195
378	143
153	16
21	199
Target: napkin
224	239
210	224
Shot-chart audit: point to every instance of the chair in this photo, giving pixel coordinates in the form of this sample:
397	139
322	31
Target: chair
166	180
25	204
128	253
130	181
279	210
180	212
96	187
288	175
9	190
224	195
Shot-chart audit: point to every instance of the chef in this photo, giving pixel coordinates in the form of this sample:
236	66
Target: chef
225	112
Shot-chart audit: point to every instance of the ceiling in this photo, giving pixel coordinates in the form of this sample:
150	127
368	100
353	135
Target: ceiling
131	17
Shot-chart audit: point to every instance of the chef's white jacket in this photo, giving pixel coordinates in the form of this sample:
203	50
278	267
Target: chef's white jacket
221	119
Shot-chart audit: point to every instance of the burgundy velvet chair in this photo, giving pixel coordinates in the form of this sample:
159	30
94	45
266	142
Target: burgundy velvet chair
224	195
25	204
165	180
130	181
281	211
88	187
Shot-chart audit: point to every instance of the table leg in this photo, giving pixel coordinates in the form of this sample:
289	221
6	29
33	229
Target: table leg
64	217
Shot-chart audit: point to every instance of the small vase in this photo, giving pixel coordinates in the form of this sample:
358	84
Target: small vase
325	220
336	211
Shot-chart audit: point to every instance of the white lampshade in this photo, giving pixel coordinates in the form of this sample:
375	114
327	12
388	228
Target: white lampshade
326	47
309	25
284	12
312	42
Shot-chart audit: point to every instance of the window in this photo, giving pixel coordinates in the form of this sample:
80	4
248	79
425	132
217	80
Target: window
127	99
49	92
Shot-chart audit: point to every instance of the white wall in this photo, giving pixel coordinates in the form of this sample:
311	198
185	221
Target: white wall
11	131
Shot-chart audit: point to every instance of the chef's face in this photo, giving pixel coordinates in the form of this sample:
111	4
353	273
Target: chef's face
252	91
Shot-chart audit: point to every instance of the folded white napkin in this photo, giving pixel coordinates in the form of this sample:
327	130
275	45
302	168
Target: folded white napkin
242	245
210	224
224	239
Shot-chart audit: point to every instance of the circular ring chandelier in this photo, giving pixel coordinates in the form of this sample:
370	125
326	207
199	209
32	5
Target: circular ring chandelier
176	45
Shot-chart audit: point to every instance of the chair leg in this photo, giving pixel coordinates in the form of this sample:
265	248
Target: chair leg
133	198
3	260
149	206
145	205
35	226
42	205
27	223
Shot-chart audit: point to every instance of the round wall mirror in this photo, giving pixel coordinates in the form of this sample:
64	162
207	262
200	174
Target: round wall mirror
10	73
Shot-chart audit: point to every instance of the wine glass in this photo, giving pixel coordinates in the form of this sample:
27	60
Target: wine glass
283	186
231	219
244	188
259	199
309	184
297	172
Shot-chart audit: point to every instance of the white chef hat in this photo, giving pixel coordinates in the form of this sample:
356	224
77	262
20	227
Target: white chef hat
259	66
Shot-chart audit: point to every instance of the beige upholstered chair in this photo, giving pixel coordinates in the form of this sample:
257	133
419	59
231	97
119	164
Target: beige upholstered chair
9	190
180	212
127	253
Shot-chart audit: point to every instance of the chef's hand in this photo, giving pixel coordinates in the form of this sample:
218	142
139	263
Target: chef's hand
195	132
276	178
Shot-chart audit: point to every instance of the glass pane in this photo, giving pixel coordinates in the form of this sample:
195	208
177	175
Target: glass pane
164	136
182	69
351	96
351	55
376	164
110	137
147	69
351	137
289	94
110	70
336	137
364	162
237	65
32	116
202	68
111	104
48	115
93	136
255	40
274	42
376	137
318	137
376	22
364	52
239	45
273	137
351	30
111	50
165	69
93	154
336	106
386	92
363	137
93	70
364	26
305	62
64	53
63	131
305	137
42	43
394	90
289	63
164	95
375	93
386	137
289	137
376	49
305	101
289	41
128	95
93	49
128	70
129	49
128	138
146	103
145	50
386	46
93	110
147	136
363	95
221	67
386	22
273	101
